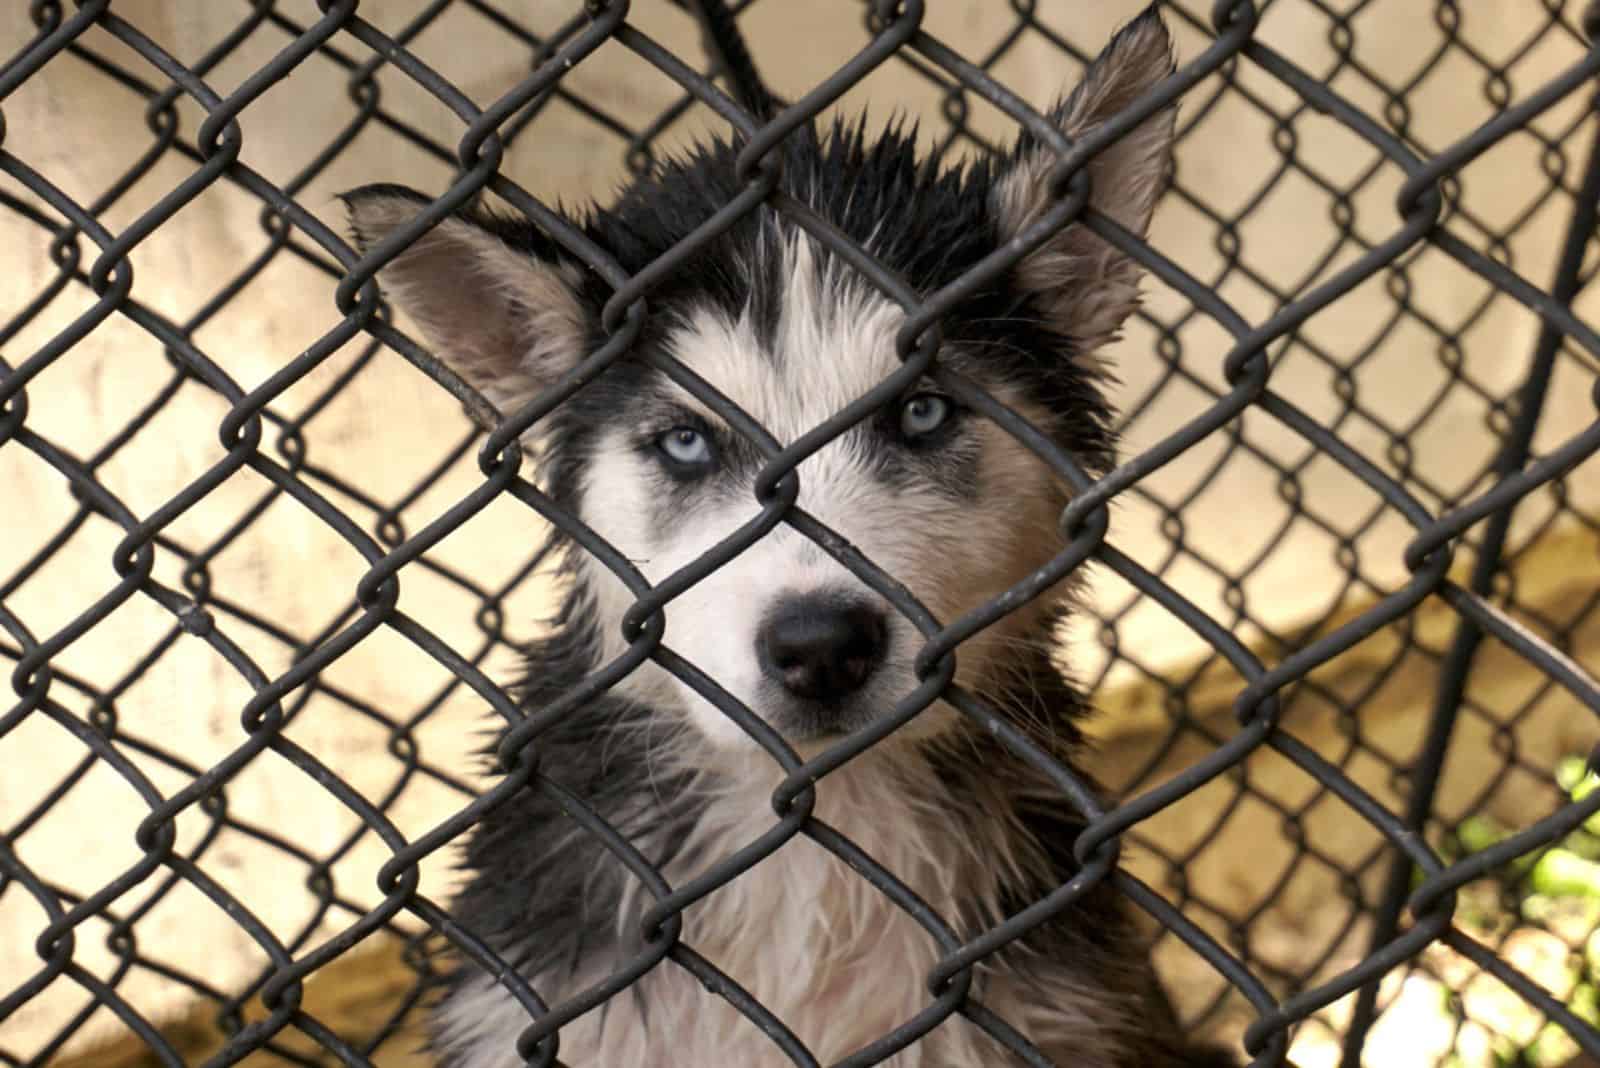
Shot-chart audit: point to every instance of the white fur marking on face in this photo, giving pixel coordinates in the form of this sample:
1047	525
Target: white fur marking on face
834	341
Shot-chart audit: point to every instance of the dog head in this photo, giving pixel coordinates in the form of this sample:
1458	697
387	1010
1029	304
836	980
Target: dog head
935	495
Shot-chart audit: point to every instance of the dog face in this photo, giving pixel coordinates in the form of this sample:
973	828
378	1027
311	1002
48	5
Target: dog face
935	495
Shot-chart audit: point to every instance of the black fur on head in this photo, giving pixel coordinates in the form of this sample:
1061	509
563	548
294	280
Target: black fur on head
510	311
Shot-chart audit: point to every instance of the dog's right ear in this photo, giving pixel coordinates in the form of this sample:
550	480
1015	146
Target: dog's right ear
492	297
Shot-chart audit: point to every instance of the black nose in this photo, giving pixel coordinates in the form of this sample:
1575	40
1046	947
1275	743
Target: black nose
821	648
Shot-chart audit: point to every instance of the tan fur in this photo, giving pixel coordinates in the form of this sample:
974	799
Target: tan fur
504	321
1088	286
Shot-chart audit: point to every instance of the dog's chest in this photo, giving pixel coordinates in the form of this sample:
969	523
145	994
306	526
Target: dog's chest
832	956
829	954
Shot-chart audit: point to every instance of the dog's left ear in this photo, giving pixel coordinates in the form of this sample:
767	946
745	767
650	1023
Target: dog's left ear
1087	287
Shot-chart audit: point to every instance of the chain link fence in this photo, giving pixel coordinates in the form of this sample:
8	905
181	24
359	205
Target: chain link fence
1347	574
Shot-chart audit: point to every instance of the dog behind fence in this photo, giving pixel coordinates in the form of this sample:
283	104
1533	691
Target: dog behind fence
1342	574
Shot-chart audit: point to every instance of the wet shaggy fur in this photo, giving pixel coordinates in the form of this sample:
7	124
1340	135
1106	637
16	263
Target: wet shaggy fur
957	511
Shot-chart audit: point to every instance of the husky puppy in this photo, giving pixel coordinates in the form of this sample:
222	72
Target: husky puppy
936	495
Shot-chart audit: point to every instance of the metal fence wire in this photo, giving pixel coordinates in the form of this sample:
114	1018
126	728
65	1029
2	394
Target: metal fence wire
1433	838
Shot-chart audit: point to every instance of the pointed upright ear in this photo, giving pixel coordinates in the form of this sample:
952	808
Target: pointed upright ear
493	298
1087	287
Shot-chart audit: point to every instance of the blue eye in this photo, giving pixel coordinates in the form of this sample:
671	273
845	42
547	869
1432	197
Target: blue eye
685	446
922	414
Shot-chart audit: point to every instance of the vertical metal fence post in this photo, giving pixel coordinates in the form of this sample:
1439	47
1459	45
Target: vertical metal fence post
1457	665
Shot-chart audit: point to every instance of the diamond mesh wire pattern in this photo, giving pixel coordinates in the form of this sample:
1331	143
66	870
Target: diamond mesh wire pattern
1238	375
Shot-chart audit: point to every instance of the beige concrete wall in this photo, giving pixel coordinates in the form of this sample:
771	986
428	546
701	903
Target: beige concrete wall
391	425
